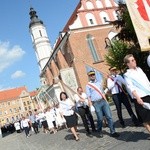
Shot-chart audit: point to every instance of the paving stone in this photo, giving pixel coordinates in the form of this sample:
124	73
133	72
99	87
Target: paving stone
131	138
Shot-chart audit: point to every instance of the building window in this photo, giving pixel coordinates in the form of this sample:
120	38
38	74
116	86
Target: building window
8	103
28	102
89	5
15	110
105	20
26	108
92	48
10	110
13	119
7	120
17	117
32	36
104	17
0	112
91	21
13	102
108	3
99	4
5	112
24	103
40	33
29	107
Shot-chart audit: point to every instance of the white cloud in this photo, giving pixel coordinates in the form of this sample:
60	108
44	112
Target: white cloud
8	88
18	74
9	55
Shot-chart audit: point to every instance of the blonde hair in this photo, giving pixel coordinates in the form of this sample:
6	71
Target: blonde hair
126	58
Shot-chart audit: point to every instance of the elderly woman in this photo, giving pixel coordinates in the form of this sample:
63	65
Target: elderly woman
66	106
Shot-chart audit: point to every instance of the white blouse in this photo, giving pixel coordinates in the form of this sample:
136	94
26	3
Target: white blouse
137	81
115	84
78	102
66	107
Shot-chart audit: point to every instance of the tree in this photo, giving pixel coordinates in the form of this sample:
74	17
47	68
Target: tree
127	42
116	52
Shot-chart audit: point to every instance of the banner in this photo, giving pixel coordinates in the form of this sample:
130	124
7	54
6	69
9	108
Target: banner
140	15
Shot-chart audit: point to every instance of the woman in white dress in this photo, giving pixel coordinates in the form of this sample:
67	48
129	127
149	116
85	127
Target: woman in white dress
60	120
67	106
50	119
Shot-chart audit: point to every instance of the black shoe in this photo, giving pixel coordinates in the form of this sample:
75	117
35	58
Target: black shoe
115	135
148	138
88	132
123	125
100	134
94	130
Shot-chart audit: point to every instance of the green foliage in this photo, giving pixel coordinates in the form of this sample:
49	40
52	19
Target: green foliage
127	43
116	53
124	25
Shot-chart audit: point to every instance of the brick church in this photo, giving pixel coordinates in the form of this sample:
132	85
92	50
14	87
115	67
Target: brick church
80	47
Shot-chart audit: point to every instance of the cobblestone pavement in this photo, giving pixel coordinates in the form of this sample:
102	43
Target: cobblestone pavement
131	138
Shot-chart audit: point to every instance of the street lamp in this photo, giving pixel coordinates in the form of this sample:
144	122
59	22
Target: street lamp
148	60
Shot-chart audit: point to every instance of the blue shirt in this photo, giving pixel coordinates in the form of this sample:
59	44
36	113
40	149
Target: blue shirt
32	118
92	93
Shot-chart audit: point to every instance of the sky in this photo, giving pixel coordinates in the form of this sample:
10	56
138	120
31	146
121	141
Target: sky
18	63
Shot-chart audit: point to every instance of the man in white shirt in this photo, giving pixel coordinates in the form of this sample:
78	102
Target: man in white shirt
83	109
25	125
33	120
138	86
114	84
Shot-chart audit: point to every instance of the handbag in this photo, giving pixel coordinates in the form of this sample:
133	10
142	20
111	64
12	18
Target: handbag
92	109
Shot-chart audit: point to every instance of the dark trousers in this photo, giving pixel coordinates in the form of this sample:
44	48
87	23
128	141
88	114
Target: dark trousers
35	127
26	130
137	113
140	120
118	100
86	114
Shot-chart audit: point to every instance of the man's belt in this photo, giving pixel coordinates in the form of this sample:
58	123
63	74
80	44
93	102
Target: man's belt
97	101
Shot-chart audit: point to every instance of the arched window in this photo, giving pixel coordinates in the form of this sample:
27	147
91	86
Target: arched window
104	17
92	48
89	5
116	15
99	4
90	19
108	3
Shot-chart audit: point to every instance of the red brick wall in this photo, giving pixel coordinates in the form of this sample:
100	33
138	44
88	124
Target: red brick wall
82	54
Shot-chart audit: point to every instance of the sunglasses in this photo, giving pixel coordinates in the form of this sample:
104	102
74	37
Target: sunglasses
133	60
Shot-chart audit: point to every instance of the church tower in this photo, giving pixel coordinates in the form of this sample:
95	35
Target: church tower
40	40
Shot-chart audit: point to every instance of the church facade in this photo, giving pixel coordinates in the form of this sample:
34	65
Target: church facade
81	46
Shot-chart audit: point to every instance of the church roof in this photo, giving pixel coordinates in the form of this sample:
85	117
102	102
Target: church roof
33	93
72	18
34	18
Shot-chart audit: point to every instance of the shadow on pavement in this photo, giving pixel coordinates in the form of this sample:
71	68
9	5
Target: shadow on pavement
133	136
